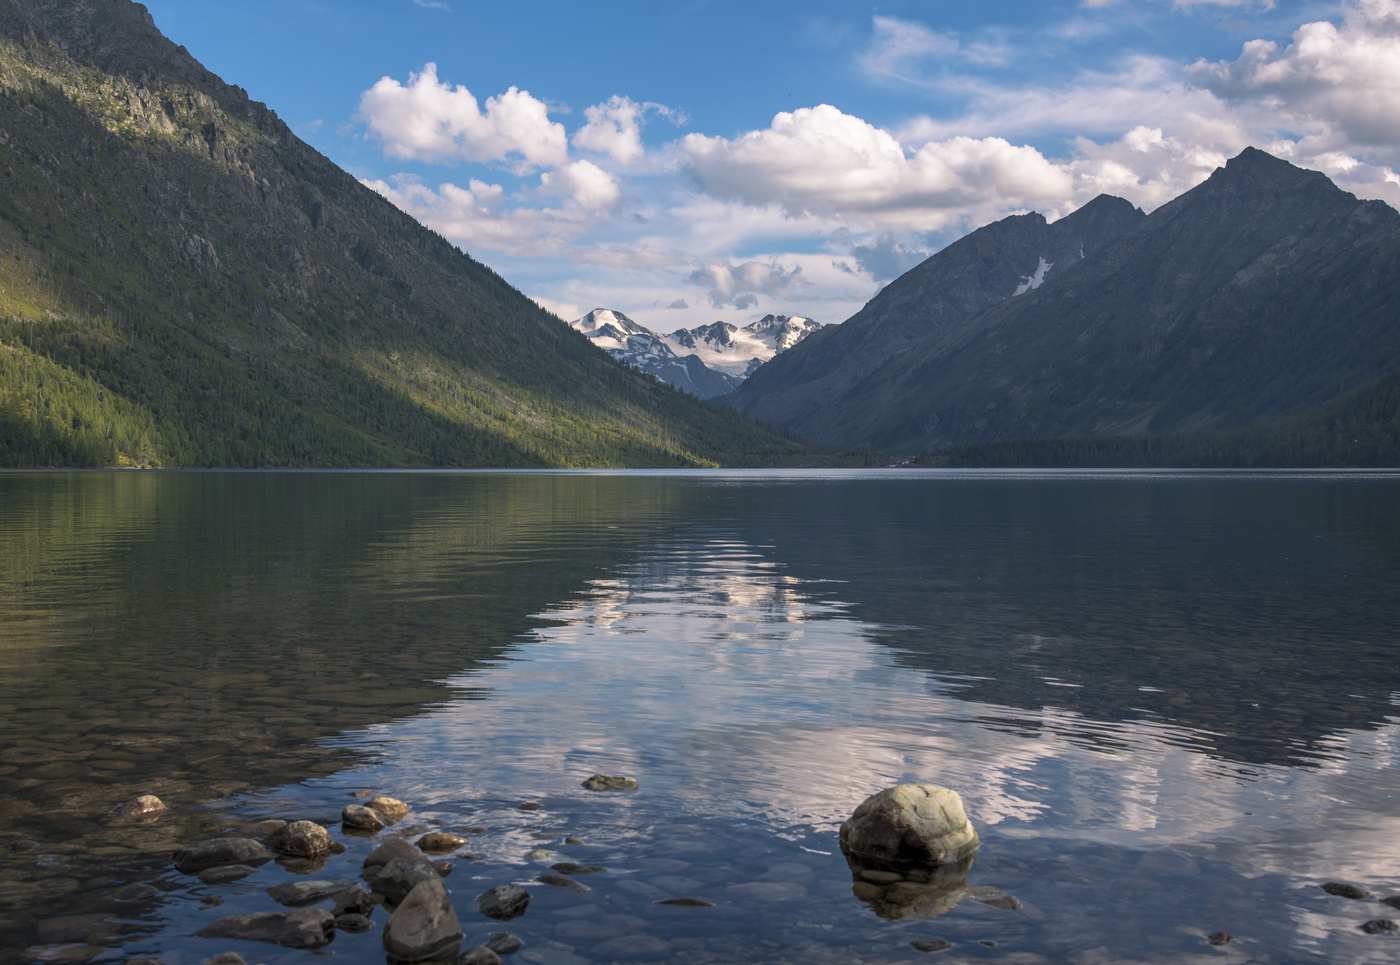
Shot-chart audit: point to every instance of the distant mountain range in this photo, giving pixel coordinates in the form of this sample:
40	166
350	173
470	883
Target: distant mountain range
186	283
707	361
1262	293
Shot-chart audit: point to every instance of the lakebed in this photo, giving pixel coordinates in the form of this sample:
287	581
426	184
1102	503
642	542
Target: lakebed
1168	700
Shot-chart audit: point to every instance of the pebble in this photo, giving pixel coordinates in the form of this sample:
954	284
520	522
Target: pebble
424	927
503	902
1219	938
504	942
610	782
1343	890
300	839
685	902
565	882
1380	926
931	945
362	794
304	928
440	842
223	874
357	818
481	955
570	868
391	808
194	858
147	807
573	840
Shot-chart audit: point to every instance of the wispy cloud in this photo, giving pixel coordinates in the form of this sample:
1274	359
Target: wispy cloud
432	4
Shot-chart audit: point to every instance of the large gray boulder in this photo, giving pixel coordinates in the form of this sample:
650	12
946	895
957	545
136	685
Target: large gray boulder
921	823
424	928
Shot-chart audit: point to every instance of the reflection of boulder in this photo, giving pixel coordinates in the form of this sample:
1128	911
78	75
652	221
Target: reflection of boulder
907	890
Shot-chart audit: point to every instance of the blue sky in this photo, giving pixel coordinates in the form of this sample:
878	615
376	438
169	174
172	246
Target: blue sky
690	161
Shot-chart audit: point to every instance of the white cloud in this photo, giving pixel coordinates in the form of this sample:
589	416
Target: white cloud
739	285
1345	79
433	4
427	120
583	182
821	161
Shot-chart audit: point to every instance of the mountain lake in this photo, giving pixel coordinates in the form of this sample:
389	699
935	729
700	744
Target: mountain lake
1169	701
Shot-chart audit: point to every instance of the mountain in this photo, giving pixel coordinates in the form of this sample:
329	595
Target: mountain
642	348
708	361
834	385
184	282
1261	293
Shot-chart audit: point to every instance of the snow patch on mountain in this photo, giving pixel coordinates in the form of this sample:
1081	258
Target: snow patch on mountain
1032	282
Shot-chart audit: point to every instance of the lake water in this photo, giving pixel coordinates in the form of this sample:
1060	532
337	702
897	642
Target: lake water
1169	701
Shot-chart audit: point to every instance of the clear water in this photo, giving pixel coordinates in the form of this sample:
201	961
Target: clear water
1169	701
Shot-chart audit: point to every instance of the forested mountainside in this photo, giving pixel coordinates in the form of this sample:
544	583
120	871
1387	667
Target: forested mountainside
183	282
1262	293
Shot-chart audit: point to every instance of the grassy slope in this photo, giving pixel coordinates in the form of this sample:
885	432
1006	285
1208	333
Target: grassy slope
183	282
1359	429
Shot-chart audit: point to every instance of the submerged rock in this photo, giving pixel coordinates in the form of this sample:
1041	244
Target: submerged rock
503	902
424	927
504	943
1393	901
300	839
992	897
355	901
357	818
565	882
305	928
931	945
915	890
147	807
1219	938
194	858
911	822
139	891
685	902
223	874
571	868
610	782
389	850
529	806
481	955
1343	890
1380	926
353	924
298	894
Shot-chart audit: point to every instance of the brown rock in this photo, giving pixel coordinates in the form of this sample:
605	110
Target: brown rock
480	955
359	818
391	849
610	782
300	839
391	808
440	842
304	928
147	807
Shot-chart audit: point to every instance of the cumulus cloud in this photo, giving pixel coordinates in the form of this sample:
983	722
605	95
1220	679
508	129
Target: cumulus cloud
614	127
819	160
584	183
428	120
1345	78
739	285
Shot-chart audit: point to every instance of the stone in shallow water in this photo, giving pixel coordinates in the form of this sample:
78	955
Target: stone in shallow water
1219	938
481	955
390	808
911	822
931	945
355	901
440	842
1380	926
539	854
570	868
504	942
298	894
685	902
304	928
147	807
353	924
300	839
992	897
194	858
503	902
401	875
424	927
142	891
610	782
223	874
391	849
358	818
529	806
1344	890
1393	901
565	882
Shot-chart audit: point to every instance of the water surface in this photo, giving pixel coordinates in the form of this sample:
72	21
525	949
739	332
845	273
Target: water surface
1168	700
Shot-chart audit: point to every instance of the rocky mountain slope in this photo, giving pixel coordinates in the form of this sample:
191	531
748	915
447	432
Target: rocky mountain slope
1262	292
185	282
707	361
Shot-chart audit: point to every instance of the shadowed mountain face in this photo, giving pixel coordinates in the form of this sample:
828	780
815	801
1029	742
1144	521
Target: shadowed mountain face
1262	292
185	282
832	385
